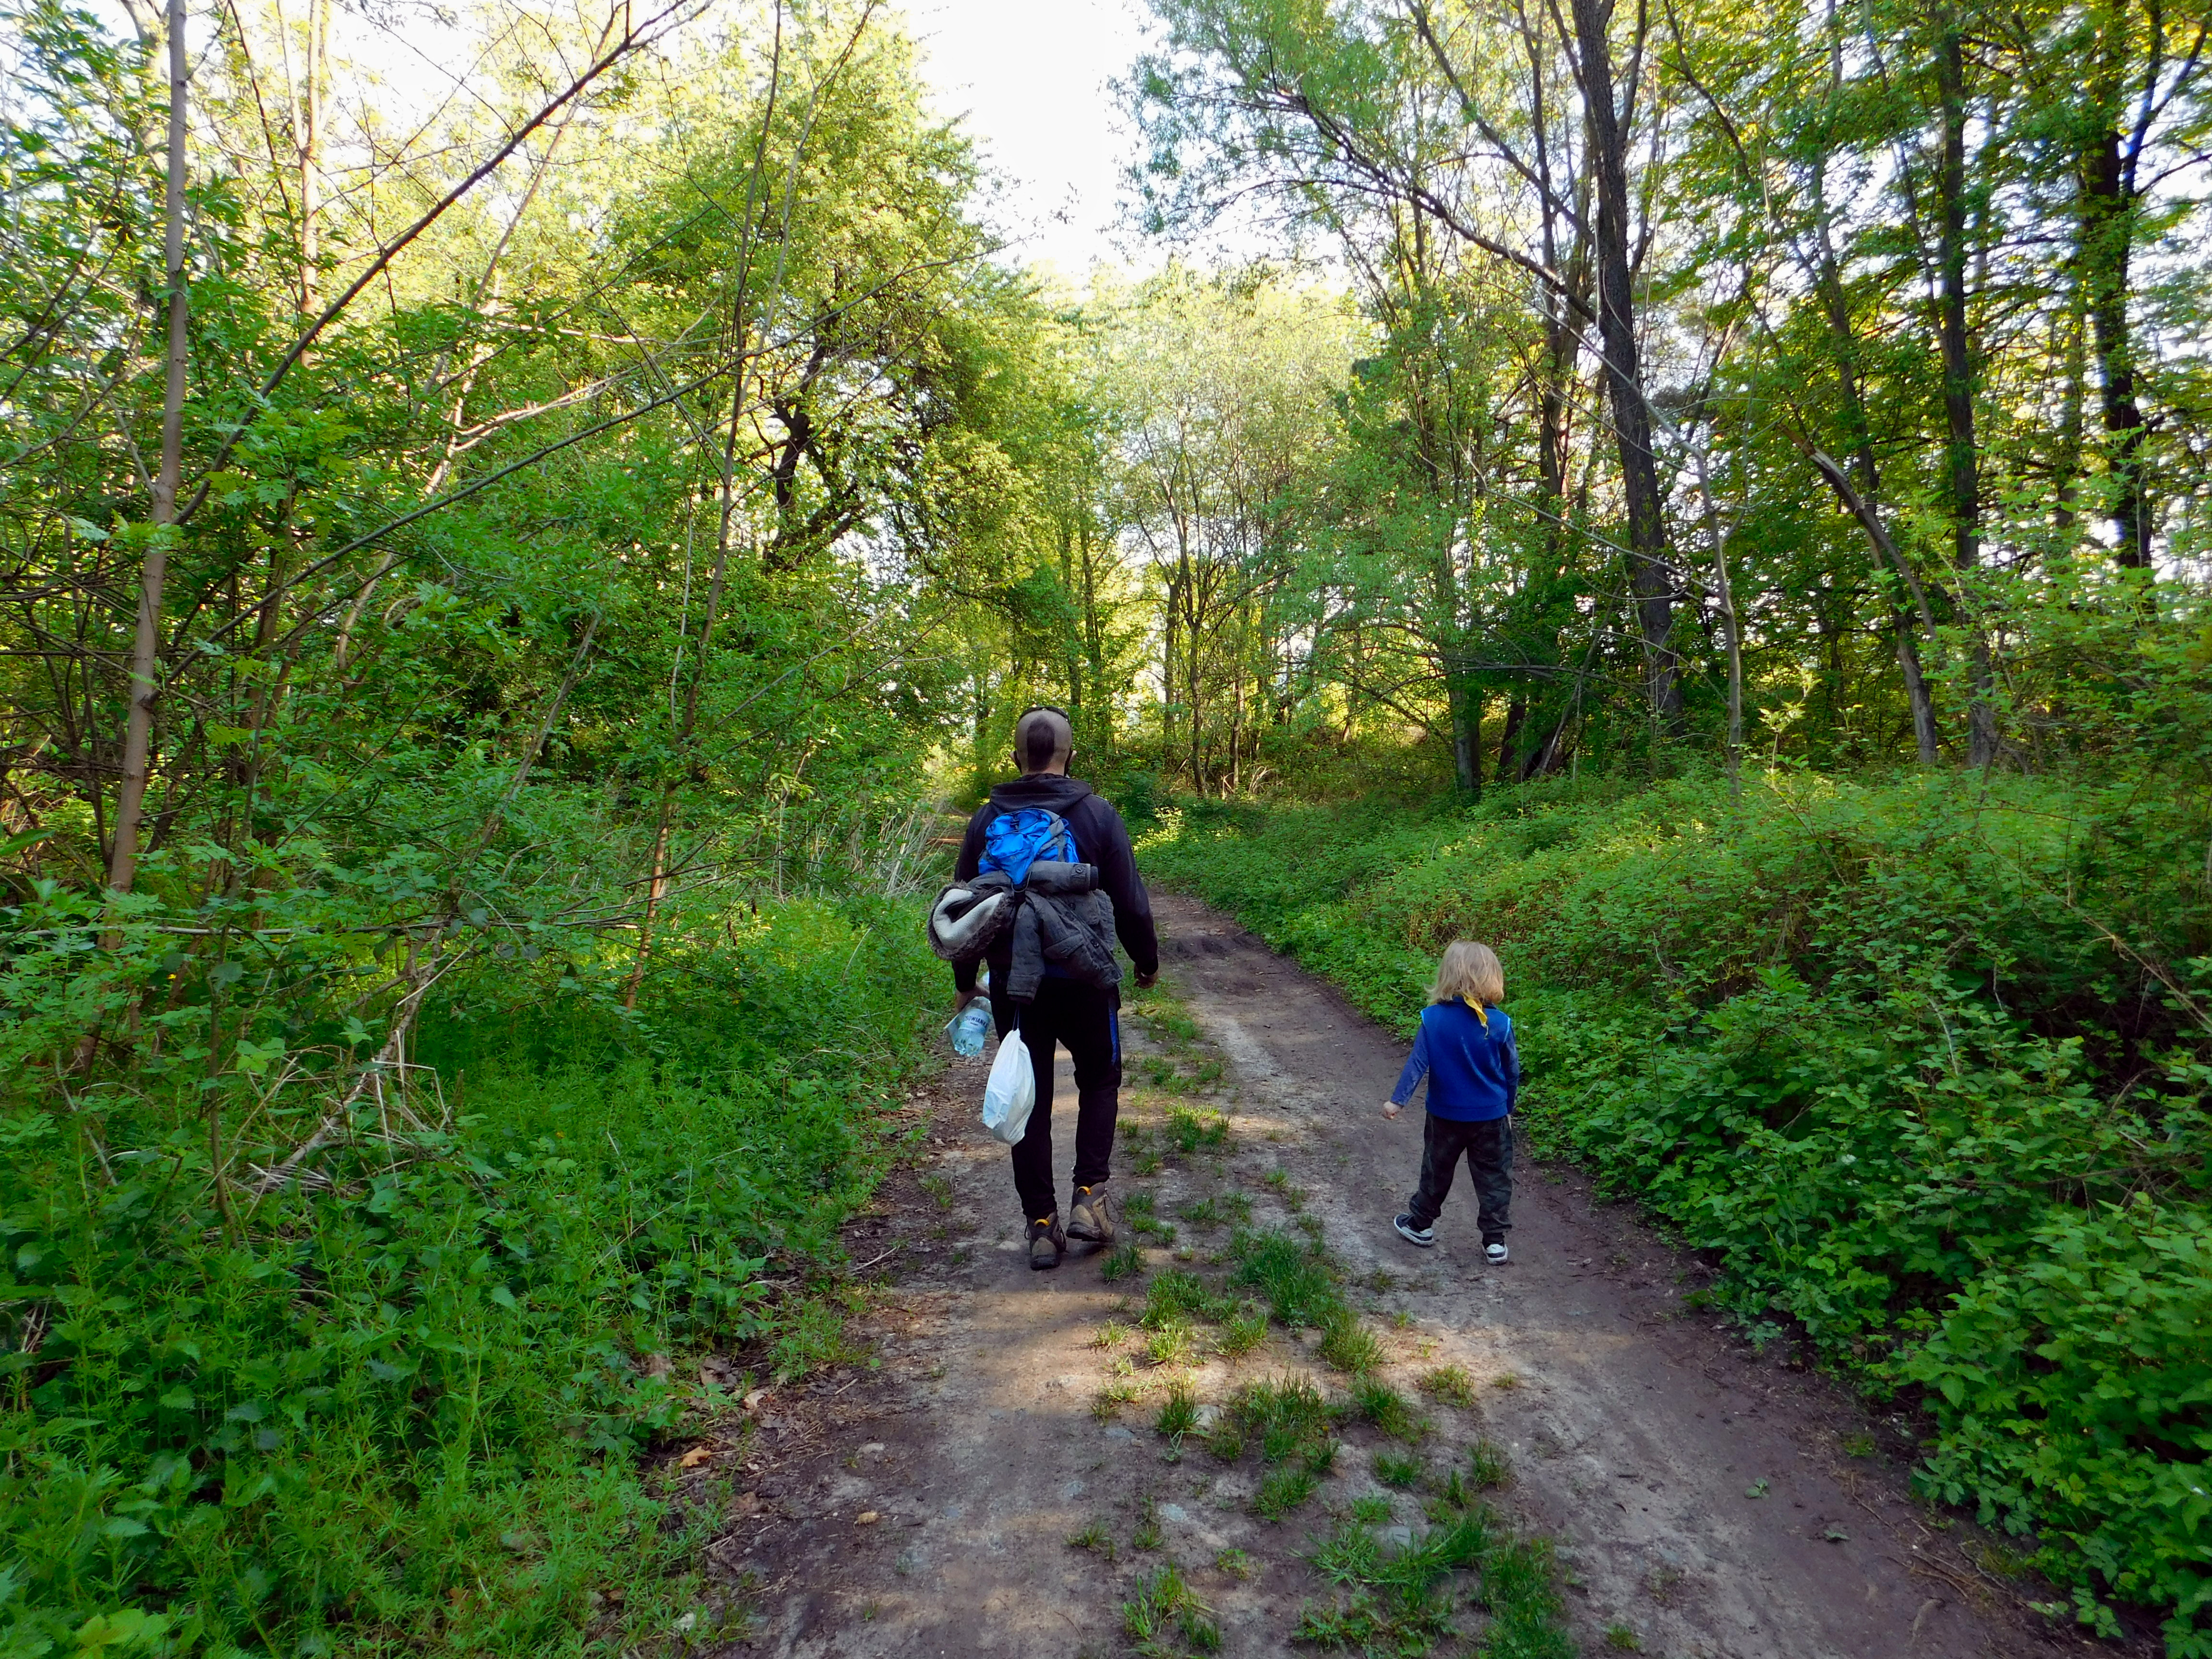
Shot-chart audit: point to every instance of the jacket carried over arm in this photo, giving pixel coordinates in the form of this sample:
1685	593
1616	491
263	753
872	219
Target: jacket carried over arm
1104	841
1470	1059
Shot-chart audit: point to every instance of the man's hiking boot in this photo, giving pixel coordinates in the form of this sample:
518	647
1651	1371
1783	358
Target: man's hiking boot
1424	1236
1047	1243
1494	1250
1090	1218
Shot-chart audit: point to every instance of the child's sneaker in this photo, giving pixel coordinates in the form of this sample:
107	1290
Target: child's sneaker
1493	1252
1424	1236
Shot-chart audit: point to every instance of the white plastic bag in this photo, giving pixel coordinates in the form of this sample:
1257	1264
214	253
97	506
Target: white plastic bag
1010	1091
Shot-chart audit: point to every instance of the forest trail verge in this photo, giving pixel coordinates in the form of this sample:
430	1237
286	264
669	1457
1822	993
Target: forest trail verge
1703	1499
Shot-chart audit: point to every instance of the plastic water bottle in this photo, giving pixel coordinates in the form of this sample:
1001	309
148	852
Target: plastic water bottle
968	1027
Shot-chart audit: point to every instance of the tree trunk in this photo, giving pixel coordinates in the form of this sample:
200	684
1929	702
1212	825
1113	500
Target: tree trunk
1717	541
2074	355
1516	710
145	648
665	820
1653	581
310	136
1863	502
1235	732
1961	455
2107	244
1886	556
1916	687
1466	723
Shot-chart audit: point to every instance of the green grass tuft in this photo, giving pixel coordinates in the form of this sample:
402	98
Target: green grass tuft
1148	1535
1284	1415
1176	1296
1243	1330
1387	1410
1350	1346
1197	1131
1403	1472
1178	1411
1449	1384
1165	1608
1294	1277
1283	1490
1488	1466
1094	1538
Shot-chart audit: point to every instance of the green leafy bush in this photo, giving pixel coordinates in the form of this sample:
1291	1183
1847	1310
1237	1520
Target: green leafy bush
2074	1396
303	1420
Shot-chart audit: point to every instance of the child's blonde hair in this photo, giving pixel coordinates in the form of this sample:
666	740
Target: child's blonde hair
1471	971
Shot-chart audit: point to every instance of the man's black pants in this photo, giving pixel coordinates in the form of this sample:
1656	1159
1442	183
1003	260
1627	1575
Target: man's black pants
1488	1148
1087	1022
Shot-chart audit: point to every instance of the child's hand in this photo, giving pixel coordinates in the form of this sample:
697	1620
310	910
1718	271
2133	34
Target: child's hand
1391	1109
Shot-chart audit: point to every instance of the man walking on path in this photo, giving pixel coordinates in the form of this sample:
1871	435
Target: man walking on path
1083	1017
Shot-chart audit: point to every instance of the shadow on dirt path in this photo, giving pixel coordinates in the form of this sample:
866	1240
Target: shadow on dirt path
1702	1498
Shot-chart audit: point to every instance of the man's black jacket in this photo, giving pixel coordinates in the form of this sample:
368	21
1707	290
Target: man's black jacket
1102	839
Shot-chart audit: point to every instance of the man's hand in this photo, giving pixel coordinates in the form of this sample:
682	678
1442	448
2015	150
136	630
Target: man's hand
1391	1109
961	999
1145	981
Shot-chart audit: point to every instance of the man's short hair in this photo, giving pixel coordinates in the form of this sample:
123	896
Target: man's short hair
1042	735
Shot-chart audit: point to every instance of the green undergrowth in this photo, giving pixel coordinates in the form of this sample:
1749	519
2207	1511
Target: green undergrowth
1921	1067
405	1406
1390	1600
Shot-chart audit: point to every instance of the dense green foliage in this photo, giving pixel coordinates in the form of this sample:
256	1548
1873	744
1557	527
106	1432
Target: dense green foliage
1904	1061
1767	372
503	975
401	1408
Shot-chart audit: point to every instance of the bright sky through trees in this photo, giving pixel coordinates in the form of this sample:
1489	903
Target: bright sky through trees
1033	83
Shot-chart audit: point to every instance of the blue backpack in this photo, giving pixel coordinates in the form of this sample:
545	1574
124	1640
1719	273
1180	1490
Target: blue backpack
1017	840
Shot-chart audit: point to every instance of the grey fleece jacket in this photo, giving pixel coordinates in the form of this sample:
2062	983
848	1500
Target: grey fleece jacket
1104	841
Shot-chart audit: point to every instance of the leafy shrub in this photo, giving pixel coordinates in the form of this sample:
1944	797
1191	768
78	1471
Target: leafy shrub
307	1415
2071	1392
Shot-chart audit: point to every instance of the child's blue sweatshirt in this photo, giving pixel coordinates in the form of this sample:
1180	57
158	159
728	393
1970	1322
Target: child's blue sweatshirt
1474	1069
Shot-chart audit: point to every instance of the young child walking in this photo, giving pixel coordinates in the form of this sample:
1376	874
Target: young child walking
1466	1051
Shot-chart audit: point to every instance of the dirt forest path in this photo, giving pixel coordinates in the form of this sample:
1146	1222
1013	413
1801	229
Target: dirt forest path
1705	1502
